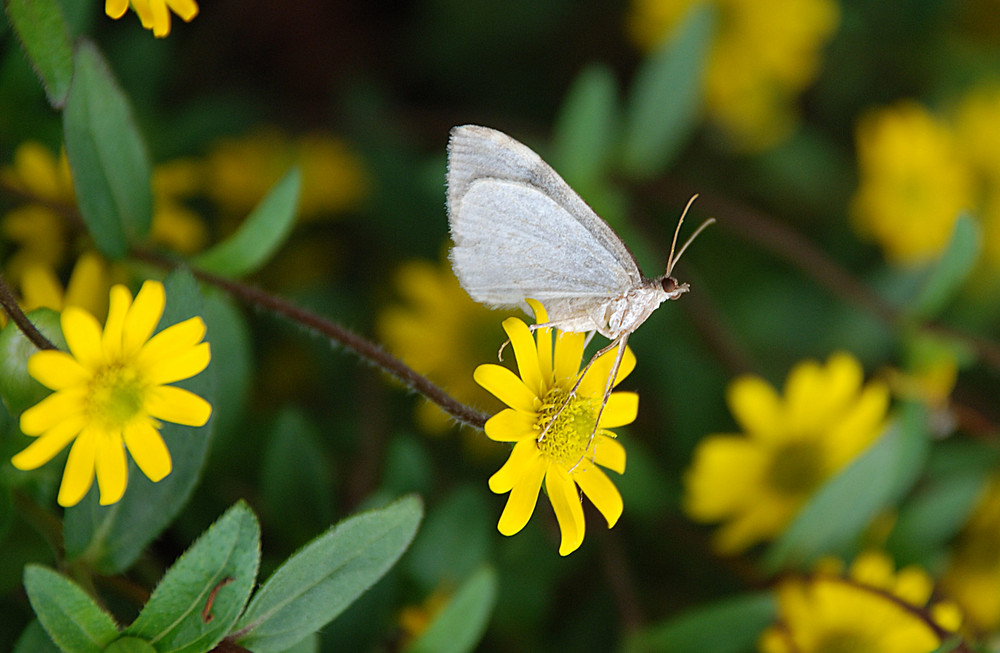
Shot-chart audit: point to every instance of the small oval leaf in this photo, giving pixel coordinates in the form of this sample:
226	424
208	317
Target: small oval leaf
70	617
45	36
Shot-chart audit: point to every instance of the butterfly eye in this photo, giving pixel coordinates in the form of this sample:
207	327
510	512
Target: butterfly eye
669	284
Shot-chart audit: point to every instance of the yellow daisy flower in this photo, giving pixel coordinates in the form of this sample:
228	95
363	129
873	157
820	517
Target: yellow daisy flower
154	14
111	390
755	482
872	610
913	182
973	574
559	448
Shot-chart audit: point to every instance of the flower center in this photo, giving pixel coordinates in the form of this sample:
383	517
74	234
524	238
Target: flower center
845	642
117	395
568	429
796	468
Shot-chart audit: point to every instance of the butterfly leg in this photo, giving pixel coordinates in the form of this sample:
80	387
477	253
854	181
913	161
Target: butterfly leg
619	355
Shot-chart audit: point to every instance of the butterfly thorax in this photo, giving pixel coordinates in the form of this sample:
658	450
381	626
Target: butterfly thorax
624	313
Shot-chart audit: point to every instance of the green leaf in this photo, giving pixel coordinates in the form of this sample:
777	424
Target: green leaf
664	104
729	626
951	270
317	583
34	639
111	537
106	153
202	594
462	622
45	37
264	230
18	389
70	617
130	645
842	508
586	129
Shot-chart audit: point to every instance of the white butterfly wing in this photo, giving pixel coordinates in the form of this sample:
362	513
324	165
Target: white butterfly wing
521	231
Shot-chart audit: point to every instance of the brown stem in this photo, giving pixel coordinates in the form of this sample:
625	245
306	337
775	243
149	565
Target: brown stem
366	349
17	316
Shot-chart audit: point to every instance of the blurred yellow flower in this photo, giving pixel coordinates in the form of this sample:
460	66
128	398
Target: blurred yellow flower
972	578
766	52
871	610
239	172
175	226
560	445
45	183
110	391
756	482
87	288
440	332
977	128
913	182
154	14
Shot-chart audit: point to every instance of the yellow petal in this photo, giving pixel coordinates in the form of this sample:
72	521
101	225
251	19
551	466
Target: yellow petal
186	9
183	365
724	471
569	511
120	300
40	287
511	425
55	408
522	499
621	409
756	407
148	450
506	386
844	377
143	316
45	448
57	369
525	353
161	18
543	338
596	379
524	457
859	426
87	287
568	355
609	453
602	493
172	340
83	336
79	472
111	467
145	13
804	386
178	405
115	8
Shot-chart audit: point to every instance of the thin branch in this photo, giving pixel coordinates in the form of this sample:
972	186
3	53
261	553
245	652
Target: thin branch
9	304
366	349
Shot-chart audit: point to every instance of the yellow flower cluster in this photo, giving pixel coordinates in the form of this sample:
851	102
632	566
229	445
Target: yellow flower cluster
872	609
918	171
765	53
756	481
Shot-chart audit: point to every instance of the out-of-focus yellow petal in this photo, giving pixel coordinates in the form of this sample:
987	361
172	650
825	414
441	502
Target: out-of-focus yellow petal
79	473
756	407
569	511
186	9
148	450
602	493
40	287
83	336
115	8
88	285
56	370
178	405
182	365
58	406
111	468
143	316
506	386
50	443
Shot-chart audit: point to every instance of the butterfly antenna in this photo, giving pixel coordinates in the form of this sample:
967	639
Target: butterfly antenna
670	259
690	240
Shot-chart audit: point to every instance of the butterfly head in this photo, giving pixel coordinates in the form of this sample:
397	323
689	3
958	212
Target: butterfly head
671	287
